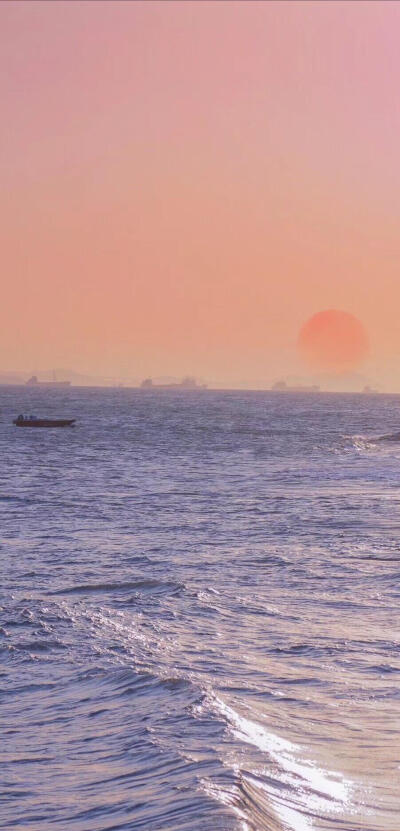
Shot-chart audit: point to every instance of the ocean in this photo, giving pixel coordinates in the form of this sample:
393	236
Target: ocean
199	624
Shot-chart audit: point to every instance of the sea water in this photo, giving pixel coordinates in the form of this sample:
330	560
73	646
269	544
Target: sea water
200	612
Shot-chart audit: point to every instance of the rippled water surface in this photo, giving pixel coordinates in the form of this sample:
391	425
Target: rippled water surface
200	612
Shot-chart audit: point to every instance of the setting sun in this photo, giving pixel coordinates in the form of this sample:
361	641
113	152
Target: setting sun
333	340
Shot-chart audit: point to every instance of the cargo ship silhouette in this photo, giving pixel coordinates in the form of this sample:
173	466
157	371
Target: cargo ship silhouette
187	383
34	382
282	386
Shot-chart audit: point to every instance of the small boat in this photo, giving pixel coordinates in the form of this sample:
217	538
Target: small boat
33	421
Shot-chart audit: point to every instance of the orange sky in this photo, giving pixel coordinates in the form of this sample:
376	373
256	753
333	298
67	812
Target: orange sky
184	184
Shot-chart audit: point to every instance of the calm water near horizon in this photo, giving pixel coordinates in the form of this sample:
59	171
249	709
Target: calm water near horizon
199	612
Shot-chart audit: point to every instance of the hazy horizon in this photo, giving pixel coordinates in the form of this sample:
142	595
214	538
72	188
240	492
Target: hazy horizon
345	382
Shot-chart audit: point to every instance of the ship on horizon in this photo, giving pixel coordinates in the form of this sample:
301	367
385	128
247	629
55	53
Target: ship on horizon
188	383
34	382
282	386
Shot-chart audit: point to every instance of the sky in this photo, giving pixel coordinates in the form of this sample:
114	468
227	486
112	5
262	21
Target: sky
184	184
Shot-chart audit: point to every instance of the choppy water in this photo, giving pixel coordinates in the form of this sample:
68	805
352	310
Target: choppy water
200	612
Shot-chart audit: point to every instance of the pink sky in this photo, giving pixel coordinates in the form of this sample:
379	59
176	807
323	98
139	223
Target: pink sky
185	183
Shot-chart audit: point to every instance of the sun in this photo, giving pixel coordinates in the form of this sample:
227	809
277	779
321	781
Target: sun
333	340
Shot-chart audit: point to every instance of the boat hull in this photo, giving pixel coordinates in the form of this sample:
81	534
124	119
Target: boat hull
44	422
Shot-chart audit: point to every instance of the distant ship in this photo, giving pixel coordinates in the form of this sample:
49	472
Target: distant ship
187	383
282	386
34	382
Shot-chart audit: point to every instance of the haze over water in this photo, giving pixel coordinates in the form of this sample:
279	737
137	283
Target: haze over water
199	612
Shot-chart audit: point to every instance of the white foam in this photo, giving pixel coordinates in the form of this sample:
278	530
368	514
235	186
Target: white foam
325	791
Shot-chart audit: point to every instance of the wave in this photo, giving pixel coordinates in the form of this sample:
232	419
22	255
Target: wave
389	437
290	791
273	789
128	585
363	443
284	794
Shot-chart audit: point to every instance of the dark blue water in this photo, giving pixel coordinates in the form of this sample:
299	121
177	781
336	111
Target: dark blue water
200	612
